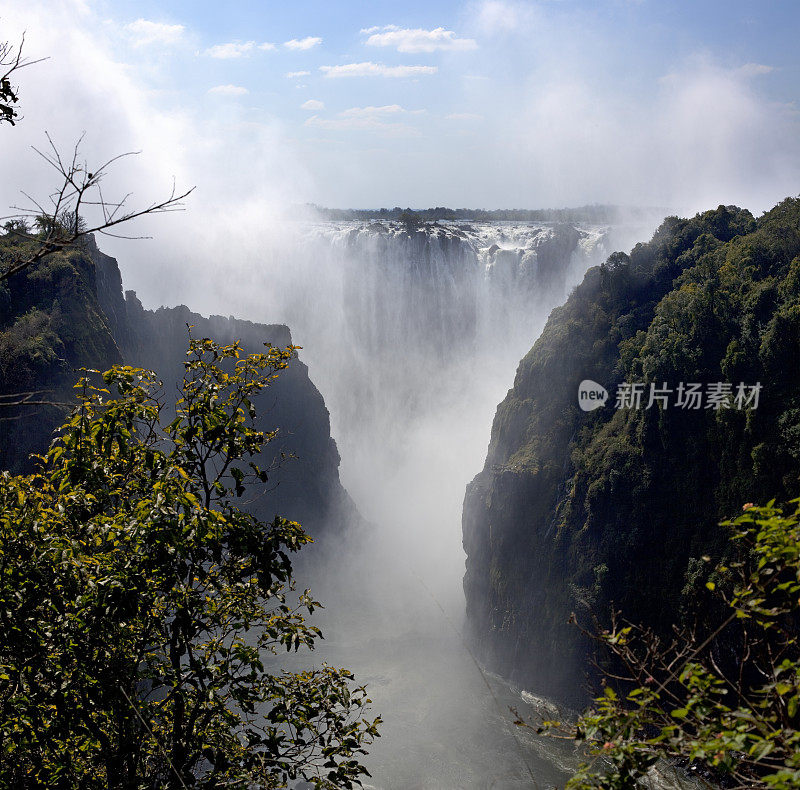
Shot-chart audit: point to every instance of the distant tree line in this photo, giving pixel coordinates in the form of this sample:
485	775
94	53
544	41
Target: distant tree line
597	213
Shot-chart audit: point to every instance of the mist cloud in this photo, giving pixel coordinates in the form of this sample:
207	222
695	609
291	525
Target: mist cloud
540	118
700	133
245	166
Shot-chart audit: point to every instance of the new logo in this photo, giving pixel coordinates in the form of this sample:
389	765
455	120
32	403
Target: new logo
591	395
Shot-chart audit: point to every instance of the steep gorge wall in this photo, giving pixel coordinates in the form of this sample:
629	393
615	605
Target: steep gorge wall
69	312
303	459
581	511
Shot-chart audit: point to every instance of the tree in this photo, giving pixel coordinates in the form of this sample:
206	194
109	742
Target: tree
60	218
11	61
409	218
724	701
140	605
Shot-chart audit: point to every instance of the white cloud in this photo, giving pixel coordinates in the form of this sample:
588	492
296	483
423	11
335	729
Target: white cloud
386	109
228	90
144	31
464	116
363	124
754	69
233	49
418	39
267	46
382	120
369	69
503	16
292	74
303	43
312	104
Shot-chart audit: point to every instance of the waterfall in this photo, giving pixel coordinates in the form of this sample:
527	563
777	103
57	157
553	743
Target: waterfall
412	334
392	317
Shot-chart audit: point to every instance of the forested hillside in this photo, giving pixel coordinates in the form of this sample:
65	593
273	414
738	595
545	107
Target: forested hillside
581	511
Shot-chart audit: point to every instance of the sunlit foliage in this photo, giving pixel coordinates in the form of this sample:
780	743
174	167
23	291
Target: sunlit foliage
726	704
139	604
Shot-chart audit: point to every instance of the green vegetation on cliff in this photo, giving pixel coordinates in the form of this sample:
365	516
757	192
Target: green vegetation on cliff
579	511
723	704
51	323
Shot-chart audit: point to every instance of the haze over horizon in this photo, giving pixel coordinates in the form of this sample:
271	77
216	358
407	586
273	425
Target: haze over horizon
495	103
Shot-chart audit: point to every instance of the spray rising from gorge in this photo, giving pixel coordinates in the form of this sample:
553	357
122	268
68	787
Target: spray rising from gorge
412	334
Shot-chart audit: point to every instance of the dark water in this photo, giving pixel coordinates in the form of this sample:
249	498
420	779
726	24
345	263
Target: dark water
444	729
447	724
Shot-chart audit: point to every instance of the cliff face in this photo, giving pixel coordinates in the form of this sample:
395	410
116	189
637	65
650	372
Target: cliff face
303	459
580	511
69	312
51	324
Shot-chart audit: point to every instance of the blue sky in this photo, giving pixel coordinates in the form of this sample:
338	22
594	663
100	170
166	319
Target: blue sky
479	103
635	41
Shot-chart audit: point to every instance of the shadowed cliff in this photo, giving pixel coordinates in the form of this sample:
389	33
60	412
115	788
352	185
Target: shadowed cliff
584	511
69	312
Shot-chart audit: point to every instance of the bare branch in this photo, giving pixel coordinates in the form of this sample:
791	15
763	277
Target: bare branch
62	225
11	61
32	398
